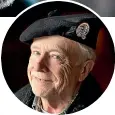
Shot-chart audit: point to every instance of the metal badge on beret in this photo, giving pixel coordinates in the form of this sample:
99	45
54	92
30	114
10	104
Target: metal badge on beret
82	30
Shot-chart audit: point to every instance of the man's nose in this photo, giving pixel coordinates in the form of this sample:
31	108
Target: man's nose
40	63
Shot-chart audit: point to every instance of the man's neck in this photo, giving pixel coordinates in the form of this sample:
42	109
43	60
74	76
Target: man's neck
56	105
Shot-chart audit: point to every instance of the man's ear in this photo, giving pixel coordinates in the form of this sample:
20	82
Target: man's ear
86	68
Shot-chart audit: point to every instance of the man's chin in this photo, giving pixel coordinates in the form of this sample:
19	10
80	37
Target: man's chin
6	3
39	93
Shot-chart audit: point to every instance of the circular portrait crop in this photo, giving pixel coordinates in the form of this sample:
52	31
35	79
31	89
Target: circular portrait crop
58	57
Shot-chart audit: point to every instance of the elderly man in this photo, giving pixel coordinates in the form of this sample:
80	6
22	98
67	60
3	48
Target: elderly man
62	57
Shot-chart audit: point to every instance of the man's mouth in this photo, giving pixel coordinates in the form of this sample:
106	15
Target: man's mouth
40	76
41	79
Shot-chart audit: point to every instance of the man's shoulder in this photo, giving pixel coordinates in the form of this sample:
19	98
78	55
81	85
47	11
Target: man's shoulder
21	92
25	95
89	92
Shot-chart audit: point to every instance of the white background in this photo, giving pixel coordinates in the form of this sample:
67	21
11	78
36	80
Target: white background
10	105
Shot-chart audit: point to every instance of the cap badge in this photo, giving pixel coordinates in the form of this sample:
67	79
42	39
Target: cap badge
82	30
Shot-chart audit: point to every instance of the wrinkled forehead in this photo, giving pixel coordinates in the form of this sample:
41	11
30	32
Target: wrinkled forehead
53	42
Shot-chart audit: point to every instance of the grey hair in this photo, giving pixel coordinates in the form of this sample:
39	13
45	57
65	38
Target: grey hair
86	53
5	3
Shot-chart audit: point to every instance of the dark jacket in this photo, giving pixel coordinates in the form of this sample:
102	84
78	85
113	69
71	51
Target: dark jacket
89	92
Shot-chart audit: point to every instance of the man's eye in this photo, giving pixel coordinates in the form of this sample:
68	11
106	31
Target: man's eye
56	57
36	52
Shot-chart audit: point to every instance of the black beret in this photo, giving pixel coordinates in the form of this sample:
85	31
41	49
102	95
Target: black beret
81	28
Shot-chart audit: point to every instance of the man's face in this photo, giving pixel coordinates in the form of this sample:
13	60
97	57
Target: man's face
51	67
5	3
